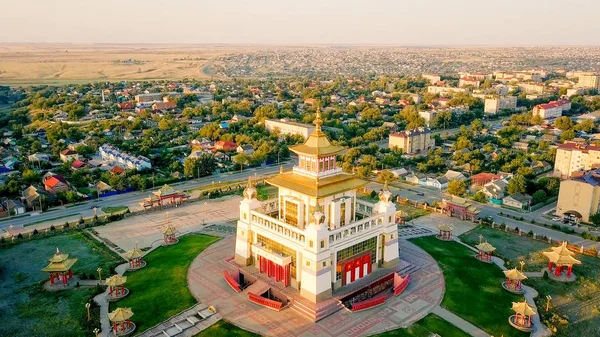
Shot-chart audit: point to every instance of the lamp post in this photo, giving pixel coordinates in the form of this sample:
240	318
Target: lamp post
480	238
548	298
99	270
96	331
522	263
95	211
87	306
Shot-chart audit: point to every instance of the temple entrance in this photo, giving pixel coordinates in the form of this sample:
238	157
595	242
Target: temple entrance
356	268
274	270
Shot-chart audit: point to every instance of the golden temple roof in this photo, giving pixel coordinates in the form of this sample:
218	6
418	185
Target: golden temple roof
165	190
446	227
486	247
514	274
60	266
562	250
170	230
561	256
134	253
120	314
317	188
58	256
522	308
317	143
116	280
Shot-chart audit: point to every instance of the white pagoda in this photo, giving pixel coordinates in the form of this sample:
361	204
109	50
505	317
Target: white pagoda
314	240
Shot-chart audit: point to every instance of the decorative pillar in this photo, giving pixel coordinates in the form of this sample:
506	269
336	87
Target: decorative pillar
51	278
557	271
70	273
550	265
569	270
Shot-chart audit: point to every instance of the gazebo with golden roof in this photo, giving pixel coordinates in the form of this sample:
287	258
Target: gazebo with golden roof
60	267
134	257
561	257
121	321
485	251
116	288
445	231
165	193
521	320
514	279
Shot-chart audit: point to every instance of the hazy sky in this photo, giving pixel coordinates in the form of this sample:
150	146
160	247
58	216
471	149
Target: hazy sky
396	22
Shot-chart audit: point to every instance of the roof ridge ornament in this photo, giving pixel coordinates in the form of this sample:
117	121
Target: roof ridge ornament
318	121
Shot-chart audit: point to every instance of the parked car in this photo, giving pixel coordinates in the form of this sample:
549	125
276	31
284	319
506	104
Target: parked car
556	218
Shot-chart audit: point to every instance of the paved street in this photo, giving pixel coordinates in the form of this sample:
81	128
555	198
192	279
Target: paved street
60	215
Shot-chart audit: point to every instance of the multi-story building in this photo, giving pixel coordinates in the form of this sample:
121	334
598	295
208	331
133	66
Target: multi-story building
497	104
412	141
552	109
432	78
289	128
575	157
589	81
464	81
314	238
529	76
149	98
445	90
477	76
534	88
429	115
579	196
112	153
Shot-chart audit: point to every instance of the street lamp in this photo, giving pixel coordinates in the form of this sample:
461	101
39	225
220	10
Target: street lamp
480	238
95	211
96	331
522	263
87	306
548	298
99	270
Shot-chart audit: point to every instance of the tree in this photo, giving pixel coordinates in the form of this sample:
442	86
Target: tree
538	196
30	176
480	197
563	123
457	187
385	176
463	143
517	184
567	134
595	219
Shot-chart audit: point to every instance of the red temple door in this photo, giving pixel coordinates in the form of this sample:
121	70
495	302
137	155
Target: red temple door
366	264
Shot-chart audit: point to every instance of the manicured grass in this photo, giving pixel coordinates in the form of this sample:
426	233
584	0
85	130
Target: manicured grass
28	310
511	248
116	209
160	290
225	329
429	325
266	192
473	288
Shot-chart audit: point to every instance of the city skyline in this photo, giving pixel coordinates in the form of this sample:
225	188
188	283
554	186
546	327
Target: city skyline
387	23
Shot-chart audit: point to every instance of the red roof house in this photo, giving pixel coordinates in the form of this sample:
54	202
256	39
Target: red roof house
227	146
483	178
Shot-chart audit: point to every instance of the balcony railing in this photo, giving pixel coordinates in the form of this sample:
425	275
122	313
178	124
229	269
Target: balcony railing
358	228
277	227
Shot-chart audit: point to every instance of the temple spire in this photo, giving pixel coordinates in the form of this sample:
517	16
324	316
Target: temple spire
318	121
250	183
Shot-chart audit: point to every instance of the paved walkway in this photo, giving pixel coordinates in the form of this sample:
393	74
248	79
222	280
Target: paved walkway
102	301
425	292
459	322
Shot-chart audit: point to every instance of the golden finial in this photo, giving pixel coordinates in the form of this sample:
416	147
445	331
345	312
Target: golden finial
249	184
385	185
318	121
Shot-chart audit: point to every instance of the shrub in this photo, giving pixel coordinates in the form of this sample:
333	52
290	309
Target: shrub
52	228
66	225
532	222
35	232
373	194
81	221
521	218
20	236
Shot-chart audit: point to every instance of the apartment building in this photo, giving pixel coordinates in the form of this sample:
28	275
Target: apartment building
579	196
575	157
445	90
432	78
412	141
289	128
497	104
465	81
429	115
589	81
552	109
534	88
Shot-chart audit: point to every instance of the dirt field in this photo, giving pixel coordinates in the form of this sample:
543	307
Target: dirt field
64	63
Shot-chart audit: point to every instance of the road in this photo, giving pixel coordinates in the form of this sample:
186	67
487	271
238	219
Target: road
72	213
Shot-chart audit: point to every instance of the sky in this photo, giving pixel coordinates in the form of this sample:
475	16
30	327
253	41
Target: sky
298	22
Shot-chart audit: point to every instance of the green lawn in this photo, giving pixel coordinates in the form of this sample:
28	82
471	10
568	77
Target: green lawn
265	192
116	209
225	329
28	310
426	327
473	288
511	248
160	290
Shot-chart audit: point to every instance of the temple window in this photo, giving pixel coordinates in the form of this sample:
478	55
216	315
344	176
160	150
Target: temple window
310	243
322	243
324	263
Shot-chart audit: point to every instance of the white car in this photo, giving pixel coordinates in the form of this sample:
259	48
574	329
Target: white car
556	218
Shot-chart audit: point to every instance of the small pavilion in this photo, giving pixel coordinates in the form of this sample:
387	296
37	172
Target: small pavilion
169	235
121	323
134	257
521	320
116	288
164	196
514	279
445	232
559	258
60	268
485	251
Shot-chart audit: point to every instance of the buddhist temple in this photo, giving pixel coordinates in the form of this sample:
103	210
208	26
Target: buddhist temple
445	232
60	268
522	317
116	288
134	257
514	280
315	241
121	323
166	195
485	251
559	258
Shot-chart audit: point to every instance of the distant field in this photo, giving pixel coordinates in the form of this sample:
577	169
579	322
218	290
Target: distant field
28	64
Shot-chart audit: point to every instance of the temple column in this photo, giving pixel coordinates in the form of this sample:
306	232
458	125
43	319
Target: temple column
569	270
550	265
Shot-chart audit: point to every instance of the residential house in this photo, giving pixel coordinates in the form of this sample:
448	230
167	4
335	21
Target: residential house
13	207
522	146
246	149
520	201
31	197
112	153
117	170
39	157
227	146
68	155
483	178
466	81
441	183
579	195
451	175
55	183
164	106
495	190
415	179
289	128
412	141
78	164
